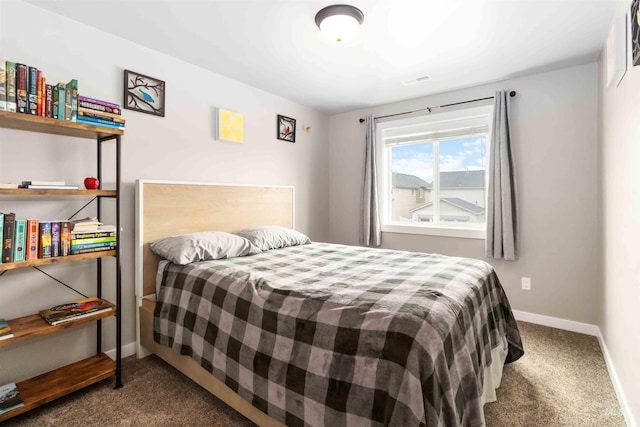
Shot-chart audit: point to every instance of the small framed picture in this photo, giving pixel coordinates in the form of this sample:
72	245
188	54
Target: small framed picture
634	14
286	128
143	93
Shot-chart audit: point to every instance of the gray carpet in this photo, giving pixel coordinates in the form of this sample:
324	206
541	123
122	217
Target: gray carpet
561	381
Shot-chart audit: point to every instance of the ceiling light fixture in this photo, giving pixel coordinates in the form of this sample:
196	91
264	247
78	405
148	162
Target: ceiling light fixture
339	23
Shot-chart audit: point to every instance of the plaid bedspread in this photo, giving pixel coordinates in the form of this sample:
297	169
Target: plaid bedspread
333	335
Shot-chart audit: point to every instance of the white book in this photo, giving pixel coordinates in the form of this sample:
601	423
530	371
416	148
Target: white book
44	182
51	187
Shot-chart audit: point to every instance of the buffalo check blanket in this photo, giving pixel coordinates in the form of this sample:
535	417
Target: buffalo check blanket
333	335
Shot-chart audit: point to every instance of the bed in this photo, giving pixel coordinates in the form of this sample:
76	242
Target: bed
316	333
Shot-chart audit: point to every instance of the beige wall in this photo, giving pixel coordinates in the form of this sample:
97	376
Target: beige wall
179	146
619	121
554	128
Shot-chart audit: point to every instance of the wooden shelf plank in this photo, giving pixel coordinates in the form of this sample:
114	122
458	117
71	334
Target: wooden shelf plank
48	125
51	385
47	261
34	325
43	192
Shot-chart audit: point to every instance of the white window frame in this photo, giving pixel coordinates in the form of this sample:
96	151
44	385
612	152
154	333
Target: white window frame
384	163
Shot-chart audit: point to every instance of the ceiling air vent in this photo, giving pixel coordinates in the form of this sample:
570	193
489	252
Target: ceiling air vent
413	81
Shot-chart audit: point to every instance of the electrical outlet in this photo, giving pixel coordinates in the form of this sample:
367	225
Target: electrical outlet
526	283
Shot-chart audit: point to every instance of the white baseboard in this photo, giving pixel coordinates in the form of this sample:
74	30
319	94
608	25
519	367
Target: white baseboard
617	387
588	329
555	322
127	350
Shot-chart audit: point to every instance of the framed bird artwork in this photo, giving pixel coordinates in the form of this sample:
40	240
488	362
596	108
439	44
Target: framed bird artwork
286	128
143	93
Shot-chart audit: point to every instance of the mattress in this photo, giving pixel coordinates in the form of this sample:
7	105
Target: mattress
323	334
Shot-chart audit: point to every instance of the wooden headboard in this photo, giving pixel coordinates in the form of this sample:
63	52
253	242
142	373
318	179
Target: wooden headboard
166	208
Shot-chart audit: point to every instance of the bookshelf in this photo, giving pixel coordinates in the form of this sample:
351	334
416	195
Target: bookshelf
59	382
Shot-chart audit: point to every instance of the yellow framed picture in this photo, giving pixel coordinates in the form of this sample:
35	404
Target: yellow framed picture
229	126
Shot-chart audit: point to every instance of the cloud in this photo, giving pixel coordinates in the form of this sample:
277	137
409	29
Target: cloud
455	155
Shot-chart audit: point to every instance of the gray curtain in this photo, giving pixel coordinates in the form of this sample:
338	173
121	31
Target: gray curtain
502	212
370	224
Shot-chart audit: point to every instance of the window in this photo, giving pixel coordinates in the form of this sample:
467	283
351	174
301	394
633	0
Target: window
433	173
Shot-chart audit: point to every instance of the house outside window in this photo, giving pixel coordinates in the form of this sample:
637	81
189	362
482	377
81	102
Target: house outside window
433	173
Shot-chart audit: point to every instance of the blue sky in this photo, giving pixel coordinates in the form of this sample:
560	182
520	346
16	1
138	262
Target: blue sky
455	155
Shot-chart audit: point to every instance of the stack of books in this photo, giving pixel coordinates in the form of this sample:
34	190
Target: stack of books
24	89
99	113
48	185
5	330
75	310
10	398
29	239
90	235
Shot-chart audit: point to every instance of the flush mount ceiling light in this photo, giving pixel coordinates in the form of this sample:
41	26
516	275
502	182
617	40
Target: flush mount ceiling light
339	23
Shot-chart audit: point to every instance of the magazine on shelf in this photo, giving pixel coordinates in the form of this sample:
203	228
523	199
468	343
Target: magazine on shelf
75	310
10	398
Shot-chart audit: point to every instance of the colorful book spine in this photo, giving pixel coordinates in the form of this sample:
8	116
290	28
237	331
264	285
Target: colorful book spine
11	87
44	249
91	234
39	92
65	238
7	237
3	85
99	122
67	102
48	108
32	91
33	234
72	93
54	102
99	107
62	95
98	102
55	238
100	115
19	240
92	250
92	246
1	234
21	88
85	241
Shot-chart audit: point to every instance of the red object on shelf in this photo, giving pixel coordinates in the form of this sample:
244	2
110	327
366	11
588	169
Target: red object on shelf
91	183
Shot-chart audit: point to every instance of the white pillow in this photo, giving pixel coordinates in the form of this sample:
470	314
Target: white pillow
273	237
208	245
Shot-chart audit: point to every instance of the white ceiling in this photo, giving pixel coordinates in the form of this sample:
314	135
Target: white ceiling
274	45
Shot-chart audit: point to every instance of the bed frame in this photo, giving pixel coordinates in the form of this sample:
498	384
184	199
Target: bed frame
165	208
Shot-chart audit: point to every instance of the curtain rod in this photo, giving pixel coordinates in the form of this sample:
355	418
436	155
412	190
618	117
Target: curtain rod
511	94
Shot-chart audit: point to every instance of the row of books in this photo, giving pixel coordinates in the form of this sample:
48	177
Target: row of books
24	89
29	239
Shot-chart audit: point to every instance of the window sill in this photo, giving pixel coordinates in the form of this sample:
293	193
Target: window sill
464	233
